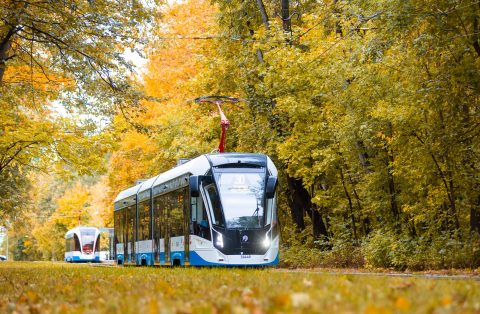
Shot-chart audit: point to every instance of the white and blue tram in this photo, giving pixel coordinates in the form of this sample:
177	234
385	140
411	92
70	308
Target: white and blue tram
82	244
214	210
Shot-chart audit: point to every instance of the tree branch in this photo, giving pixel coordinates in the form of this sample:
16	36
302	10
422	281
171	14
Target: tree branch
263	13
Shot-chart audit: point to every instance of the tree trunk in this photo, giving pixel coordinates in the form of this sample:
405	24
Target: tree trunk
287	25
476	44
338	27
363	156
469	160
263	13
350	206
5	46
319	227
451	188
299	201
391	189
475	217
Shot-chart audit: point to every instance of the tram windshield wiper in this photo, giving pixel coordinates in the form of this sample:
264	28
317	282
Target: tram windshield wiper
256	211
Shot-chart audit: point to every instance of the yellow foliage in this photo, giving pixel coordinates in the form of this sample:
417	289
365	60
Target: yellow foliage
73	207
180	57
81	203
178	129
40	80
132	161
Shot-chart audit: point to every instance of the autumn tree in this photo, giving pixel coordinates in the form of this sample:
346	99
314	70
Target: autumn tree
62	69
56	206
172	126
374	108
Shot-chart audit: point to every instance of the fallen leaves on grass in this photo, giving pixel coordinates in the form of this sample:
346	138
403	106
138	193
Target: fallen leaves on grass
60	288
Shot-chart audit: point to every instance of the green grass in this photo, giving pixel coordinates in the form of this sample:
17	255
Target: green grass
64	288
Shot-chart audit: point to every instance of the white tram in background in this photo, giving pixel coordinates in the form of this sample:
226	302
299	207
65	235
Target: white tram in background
82	245
214	210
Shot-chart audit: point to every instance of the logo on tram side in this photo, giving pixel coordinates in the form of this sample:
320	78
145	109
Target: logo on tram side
244	238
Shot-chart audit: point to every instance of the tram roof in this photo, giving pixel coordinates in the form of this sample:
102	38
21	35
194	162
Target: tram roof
128	192
198	166
234	158
78	229
147	184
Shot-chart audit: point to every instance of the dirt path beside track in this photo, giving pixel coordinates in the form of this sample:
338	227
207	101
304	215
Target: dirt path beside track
452	274
446	274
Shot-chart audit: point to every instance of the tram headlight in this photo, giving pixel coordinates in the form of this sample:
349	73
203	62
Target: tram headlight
267	242
219	240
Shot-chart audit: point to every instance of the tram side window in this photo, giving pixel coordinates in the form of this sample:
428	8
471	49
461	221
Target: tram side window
116	226
76	243
193	216
97	244
123	225
119	225
175	201
216	205
158	206
200	224
130	224
144	220
186	217
69	245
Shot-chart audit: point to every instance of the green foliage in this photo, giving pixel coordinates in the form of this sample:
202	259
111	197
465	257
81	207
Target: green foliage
12	185
377	250
299	250
373	105
342	254
339	255
294	252
386	249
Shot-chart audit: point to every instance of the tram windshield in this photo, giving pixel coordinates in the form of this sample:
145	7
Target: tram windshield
241	194
88	240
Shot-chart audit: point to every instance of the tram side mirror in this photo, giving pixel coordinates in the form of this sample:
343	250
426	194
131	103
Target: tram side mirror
271	187
194	186
196	181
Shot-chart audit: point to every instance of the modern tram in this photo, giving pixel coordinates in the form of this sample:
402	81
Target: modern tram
82	244
214	210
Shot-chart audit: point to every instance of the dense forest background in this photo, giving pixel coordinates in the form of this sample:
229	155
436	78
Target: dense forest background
370	110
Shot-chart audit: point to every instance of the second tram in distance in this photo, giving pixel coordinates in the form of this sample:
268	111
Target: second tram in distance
82	244
214	210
